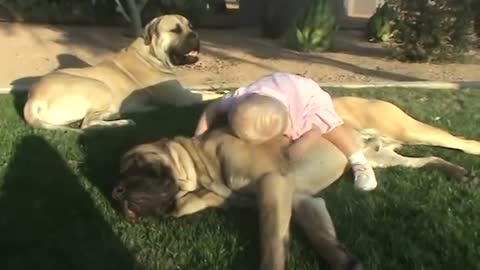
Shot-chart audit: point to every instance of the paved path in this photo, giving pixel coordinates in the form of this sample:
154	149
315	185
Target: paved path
28	51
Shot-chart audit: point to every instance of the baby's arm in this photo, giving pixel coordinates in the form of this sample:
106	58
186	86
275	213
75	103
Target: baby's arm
209	115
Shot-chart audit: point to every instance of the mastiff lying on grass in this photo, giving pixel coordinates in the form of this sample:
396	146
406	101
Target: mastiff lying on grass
175	177
181	176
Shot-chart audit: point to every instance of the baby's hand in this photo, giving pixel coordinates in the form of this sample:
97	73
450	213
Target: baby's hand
201	127
208	116
199	132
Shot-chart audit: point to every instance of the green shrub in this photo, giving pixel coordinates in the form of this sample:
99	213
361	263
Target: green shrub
314	28
476	14
381	26
432	31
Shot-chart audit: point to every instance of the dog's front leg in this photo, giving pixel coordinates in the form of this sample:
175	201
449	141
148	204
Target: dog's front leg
232	198
100	120
275	196
216	186
194	202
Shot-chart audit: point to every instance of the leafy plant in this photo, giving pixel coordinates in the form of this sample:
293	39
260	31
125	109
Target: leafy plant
381	26
476	15
433	31
314	28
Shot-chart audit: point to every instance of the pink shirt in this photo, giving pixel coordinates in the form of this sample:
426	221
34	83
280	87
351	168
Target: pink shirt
307	104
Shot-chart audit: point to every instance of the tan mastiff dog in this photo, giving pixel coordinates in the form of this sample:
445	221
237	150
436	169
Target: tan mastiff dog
155	177
138	78
168	177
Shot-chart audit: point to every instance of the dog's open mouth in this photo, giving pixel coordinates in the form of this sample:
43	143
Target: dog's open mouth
182	58
129	213
191	57
193	53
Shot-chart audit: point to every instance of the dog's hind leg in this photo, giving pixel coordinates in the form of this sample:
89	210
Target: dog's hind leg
216	187
388	120
275	209
385	158
424	134
312	216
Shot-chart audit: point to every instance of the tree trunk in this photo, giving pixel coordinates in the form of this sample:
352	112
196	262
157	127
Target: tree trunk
136	20
250	12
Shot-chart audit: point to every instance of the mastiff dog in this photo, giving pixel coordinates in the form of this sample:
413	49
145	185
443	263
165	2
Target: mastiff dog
138	78
174	177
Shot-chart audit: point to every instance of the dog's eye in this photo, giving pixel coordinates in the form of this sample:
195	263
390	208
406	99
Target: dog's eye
177	29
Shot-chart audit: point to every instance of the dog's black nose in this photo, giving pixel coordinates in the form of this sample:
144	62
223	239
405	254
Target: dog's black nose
192	35
118	192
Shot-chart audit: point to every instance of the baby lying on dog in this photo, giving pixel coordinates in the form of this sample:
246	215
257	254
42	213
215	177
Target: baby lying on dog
294	106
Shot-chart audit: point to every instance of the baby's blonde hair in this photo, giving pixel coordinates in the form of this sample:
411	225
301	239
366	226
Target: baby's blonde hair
258	118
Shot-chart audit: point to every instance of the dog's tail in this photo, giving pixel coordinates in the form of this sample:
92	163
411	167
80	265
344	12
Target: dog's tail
32	113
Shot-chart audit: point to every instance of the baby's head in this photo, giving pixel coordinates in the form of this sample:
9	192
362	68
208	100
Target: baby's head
258	118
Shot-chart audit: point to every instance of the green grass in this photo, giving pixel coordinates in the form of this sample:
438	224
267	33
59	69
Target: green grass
55	212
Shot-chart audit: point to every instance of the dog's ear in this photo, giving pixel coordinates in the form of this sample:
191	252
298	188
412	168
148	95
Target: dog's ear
182	165
143	156
151	30
130	160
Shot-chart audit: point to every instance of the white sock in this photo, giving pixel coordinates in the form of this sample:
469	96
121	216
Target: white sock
357	158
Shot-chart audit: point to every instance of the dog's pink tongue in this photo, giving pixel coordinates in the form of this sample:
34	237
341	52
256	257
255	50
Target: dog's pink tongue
193	53
131	215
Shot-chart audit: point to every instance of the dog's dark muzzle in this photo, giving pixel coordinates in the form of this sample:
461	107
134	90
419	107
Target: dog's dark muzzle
187	51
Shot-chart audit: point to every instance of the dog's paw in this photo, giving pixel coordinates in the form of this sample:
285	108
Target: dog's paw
122	123
473	147
472	178
465	176
101	124
351	262
188	205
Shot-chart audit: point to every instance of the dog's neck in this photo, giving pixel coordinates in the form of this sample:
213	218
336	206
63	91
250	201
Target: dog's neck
145	55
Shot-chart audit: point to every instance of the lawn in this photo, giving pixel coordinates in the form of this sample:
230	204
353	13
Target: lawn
55	212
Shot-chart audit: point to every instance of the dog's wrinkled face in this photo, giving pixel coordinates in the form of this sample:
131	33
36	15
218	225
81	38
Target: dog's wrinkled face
172	39
145	187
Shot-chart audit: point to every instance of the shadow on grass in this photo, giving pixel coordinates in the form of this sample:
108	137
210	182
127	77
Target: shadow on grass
48	220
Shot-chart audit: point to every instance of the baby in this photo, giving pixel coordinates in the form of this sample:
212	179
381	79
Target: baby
294	106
